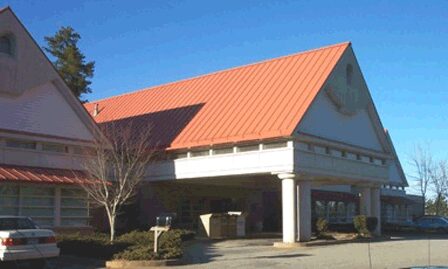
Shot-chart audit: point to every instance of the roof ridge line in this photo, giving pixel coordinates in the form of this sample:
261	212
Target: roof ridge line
221	71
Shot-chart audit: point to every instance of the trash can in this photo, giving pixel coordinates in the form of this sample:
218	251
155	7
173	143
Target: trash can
211	226
222	225
240	222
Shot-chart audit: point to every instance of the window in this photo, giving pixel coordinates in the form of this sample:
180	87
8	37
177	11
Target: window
84	150
20	144
222	151
341	212
38	203
275	145
54	148
310	147
336	153
74	208
320	150
9	200
320	209
6	45
377	161
351	156
181	155
351	211
349	74
248	148
332	211
200	153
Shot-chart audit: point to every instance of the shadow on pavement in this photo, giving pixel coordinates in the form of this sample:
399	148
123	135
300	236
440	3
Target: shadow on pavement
198	251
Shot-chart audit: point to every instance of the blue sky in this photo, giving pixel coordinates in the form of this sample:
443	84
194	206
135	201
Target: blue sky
401	47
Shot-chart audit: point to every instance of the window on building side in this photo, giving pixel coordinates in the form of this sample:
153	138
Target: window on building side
349	74
74	208
248	148
9	200
223	151
38	203
200	153
180	155
20	144
6	45
275	145
54	147
84	150
310	147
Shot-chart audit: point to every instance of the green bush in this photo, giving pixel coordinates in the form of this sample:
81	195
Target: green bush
93	246
321	226
360	223
137	238
365	225
136	245
170	245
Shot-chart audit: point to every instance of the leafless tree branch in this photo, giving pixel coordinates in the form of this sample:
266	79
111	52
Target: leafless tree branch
119	162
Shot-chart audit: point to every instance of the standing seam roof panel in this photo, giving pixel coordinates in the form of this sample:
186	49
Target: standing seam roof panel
257	101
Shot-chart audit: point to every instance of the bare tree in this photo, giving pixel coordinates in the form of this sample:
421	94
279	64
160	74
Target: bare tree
439	182
423	164
118	164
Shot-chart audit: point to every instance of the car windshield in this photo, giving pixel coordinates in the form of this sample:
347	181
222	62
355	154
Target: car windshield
16	224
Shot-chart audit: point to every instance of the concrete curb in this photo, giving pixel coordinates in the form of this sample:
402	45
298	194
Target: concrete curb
123	264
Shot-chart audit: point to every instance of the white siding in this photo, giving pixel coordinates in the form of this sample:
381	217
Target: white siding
324	120
42	110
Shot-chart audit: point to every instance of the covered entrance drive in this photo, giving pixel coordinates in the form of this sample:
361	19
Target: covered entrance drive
297	207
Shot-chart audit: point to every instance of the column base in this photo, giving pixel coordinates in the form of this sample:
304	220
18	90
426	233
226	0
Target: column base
287	245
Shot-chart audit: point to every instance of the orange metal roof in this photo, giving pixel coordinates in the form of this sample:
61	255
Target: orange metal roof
258	101
41	175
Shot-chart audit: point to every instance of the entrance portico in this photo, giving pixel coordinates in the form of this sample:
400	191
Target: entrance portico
296	207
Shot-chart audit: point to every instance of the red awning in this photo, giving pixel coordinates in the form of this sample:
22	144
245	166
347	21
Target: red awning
14	173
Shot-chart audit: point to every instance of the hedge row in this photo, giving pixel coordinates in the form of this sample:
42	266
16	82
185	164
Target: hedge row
136	245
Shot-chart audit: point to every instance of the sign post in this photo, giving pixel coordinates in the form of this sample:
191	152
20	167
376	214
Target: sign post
158	230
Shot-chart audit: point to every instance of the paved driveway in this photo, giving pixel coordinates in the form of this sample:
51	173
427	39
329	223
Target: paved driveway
399	252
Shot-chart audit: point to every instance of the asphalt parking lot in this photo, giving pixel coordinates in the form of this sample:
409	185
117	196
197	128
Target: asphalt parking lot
398	252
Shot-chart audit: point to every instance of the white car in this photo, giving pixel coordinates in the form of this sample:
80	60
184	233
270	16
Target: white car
22	240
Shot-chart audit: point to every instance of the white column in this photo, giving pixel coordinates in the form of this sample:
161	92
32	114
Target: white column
376	208
288	207
303	211
365	207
